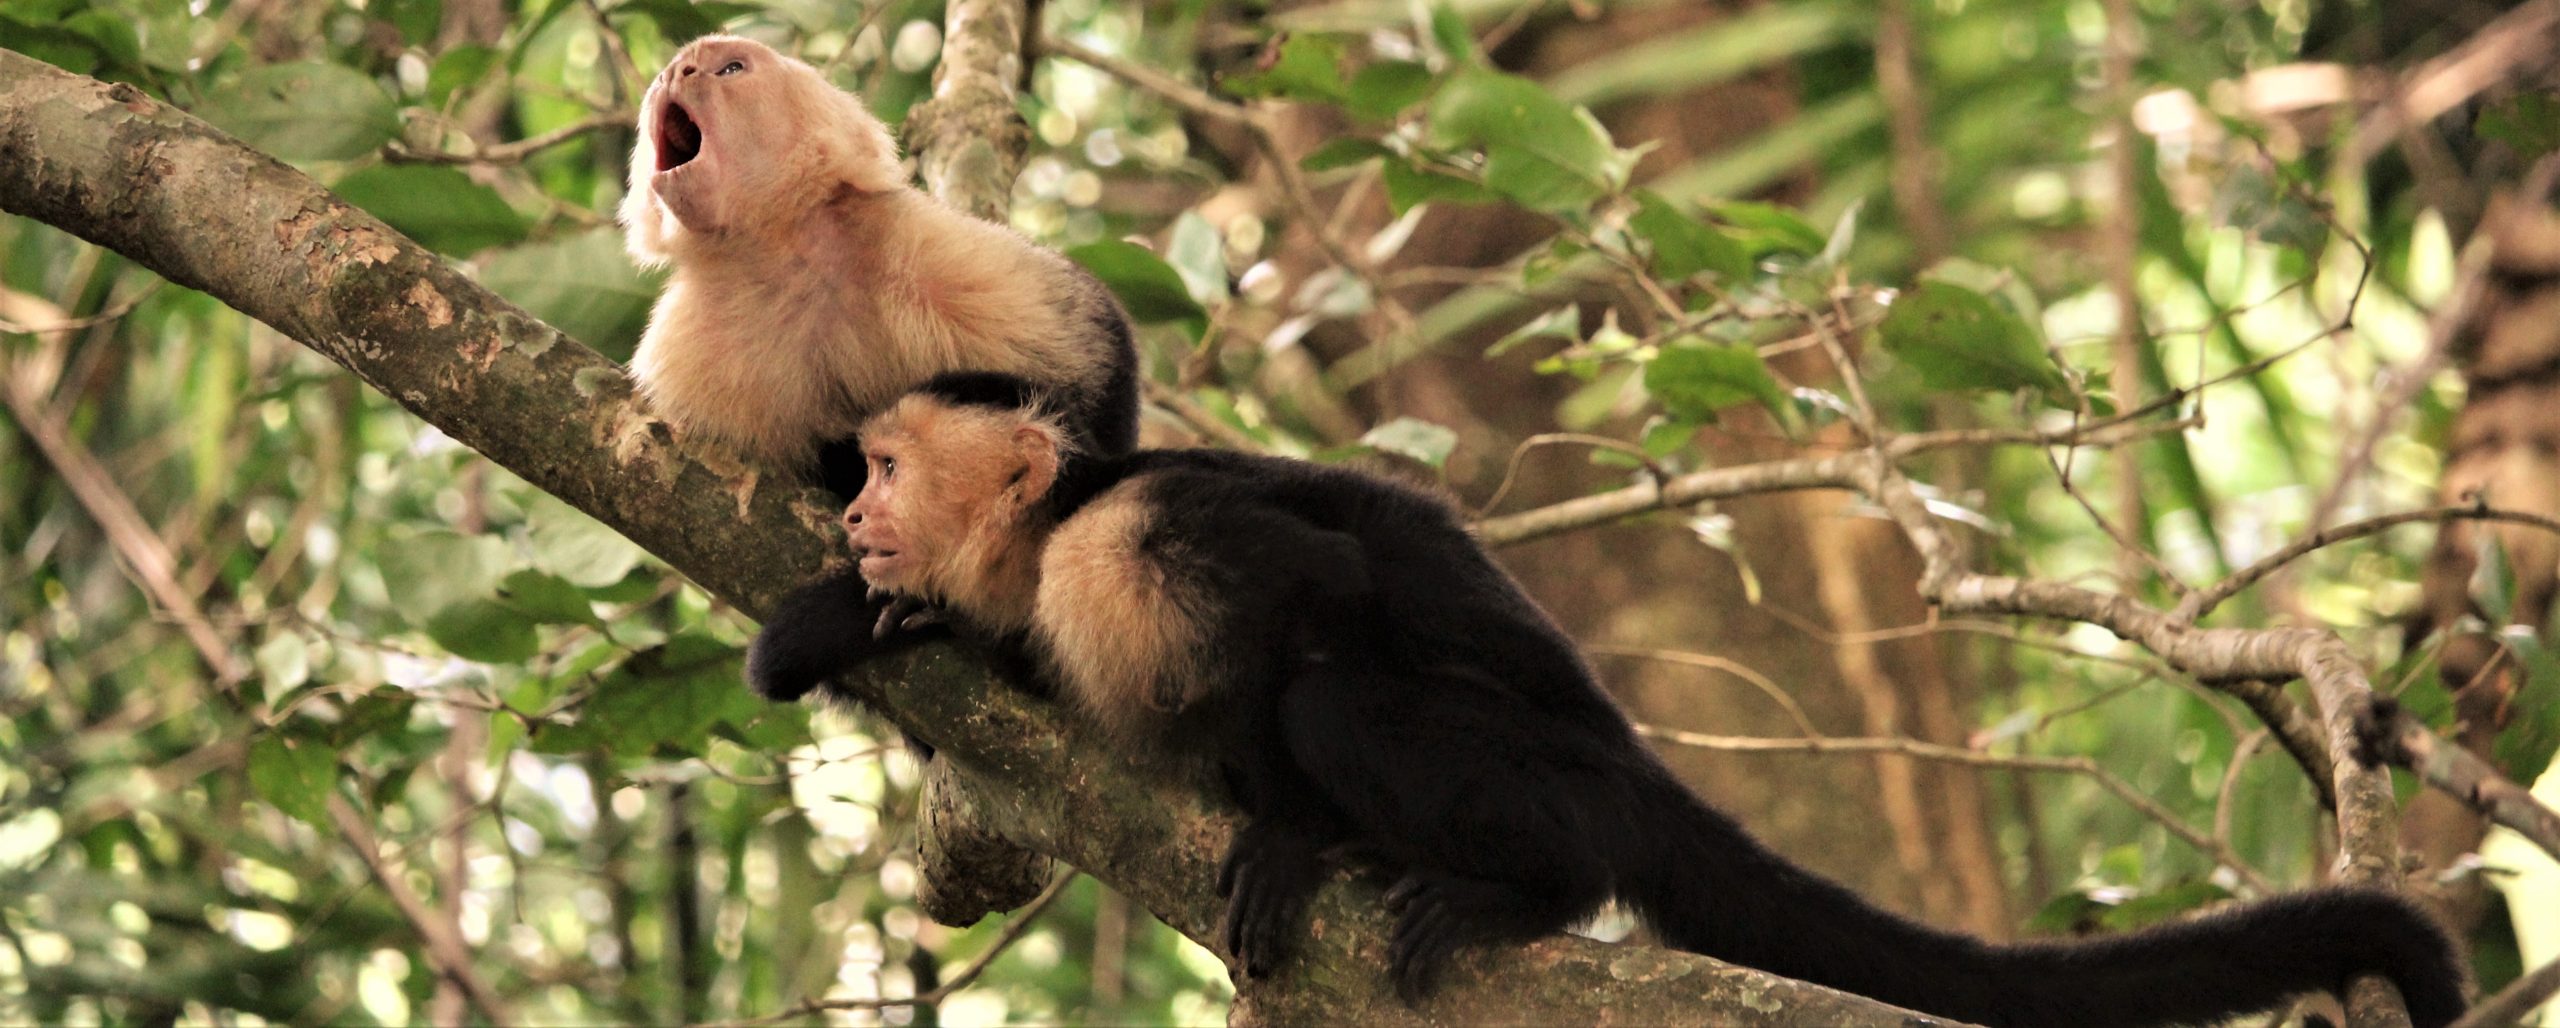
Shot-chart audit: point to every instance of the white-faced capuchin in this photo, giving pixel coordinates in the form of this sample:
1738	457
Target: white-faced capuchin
812	285
1369	681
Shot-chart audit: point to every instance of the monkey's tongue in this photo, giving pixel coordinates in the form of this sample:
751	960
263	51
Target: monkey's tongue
679	139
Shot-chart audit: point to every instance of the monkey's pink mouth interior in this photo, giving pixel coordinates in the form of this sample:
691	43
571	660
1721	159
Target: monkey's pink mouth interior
679	138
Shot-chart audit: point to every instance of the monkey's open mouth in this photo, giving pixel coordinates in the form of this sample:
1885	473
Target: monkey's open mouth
679	139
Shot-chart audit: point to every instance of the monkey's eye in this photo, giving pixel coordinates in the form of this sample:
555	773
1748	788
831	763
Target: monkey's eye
888	467
732	68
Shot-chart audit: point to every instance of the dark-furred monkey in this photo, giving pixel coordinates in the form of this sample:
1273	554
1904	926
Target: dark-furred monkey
1369	680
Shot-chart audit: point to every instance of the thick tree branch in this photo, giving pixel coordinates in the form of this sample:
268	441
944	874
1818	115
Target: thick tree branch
112	165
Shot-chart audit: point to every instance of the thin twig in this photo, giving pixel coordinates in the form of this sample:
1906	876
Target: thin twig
105	314
2512	1003
2122	789
1201	418
444	943
1838	471
2460	773
2199	604
513	152
1012	932
1757	680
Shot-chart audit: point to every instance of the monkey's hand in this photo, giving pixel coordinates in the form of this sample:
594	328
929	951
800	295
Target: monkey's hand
825	628
1268	877
901	614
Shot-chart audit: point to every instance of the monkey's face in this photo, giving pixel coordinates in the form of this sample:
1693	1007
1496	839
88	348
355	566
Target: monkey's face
946	495
737	137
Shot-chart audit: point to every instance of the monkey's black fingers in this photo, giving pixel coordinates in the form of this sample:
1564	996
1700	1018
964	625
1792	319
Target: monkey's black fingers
921	620
1424	939
1403	892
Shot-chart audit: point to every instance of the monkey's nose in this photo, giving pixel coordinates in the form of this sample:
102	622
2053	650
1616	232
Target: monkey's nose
690	69
852	518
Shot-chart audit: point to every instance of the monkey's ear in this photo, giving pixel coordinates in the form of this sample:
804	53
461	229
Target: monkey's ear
1038	447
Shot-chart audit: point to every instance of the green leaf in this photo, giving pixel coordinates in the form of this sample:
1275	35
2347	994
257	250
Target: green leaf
1544	154
582	284
1345	152
284	661
1415	438
1198	253
417	20
668	696
305	111
295	775
432	570
1561	323
114	36
681	20
486	631
1450	35
1693	379
1768	228
54	45
458	68
1682	245
1666	436
1147	286
1408	185
1309	68
438	206
1383	90
2525	747
579	549
2154	907
380	712
2527	121
547	599
1958	339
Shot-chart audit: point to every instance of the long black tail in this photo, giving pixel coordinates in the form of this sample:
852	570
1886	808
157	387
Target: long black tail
1710	888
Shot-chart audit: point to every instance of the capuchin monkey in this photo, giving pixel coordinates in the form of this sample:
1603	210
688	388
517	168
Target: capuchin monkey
812	285
1370	681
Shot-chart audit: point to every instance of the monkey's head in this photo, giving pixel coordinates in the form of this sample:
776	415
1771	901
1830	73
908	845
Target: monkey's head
952	504
735	138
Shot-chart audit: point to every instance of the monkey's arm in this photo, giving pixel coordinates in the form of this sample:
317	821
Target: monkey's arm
819	631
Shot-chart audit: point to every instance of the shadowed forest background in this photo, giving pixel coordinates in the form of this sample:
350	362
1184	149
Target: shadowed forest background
2141	295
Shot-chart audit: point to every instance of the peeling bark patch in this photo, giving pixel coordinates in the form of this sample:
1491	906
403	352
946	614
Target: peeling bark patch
482	350
1646	964
818	516
594	381
428	301
638	439
133	99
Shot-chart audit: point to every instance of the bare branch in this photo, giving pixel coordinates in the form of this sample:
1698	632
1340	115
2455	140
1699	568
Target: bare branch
2121	789
443	939
512	152
2512	1003
2199	604
2405	741
1012	932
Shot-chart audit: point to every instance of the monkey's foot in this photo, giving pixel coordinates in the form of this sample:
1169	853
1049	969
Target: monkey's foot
1268	877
